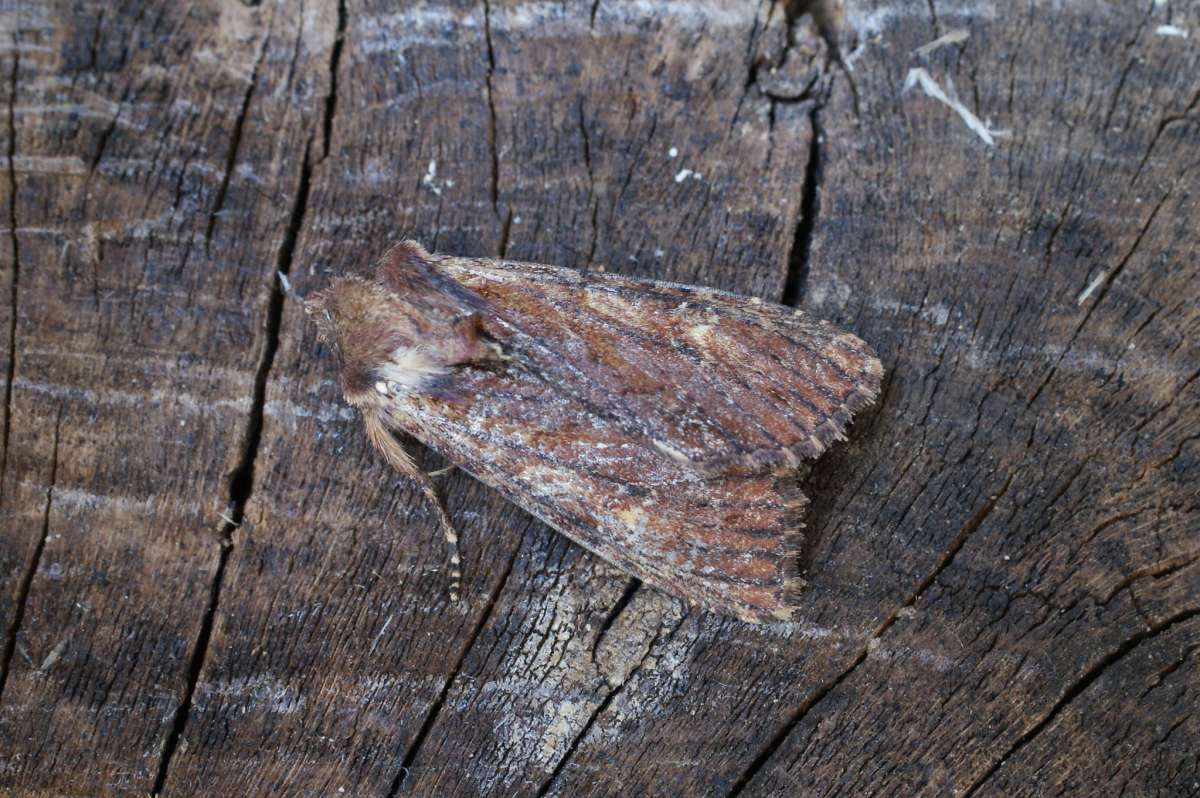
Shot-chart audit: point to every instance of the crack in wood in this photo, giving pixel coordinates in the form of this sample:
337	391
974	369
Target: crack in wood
797	717
600	709
15	274
587	161
1156	570
631	589
1162	674
335	59
102	141
435	709
241	480
1047	520
798	254
796	280
1103	289
752	61
1130	63
195	666
1137	607
829	17
235	145
1062	220
35	560
933	17
505	232
1075	689
1186	116
1150	417
491	104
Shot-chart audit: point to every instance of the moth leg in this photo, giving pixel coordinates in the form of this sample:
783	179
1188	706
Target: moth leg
402	461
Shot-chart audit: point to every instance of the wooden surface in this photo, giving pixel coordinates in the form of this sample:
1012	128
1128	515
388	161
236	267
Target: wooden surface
210	585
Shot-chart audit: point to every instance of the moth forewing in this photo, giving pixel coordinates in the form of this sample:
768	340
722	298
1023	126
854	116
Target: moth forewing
657	425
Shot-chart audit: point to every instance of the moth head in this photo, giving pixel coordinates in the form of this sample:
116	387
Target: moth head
404	331
353	319
340	309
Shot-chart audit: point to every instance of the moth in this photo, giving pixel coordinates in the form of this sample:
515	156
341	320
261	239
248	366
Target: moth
658	425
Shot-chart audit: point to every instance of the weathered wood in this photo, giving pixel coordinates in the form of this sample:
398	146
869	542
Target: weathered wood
150	208
209	584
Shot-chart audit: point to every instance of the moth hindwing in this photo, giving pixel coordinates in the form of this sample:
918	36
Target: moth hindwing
657	425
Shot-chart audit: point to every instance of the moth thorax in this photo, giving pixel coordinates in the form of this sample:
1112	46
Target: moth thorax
409	368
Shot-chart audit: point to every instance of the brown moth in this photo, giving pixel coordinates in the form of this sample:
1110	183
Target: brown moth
657	425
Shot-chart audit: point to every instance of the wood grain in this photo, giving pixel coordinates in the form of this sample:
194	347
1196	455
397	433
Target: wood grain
209	584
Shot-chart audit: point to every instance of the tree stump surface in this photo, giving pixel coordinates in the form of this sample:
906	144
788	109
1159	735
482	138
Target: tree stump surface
210	584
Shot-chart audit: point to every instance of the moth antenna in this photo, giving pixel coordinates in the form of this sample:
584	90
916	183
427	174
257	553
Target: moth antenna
285	286
397	457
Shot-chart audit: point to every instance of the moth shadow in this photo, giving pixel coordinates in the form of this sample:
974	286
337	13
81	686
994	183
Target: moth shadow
827	480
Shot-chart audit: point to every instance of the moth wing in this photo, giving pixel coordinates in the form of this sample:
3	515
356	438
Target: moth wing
730	544
408	272
649	422
721	382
